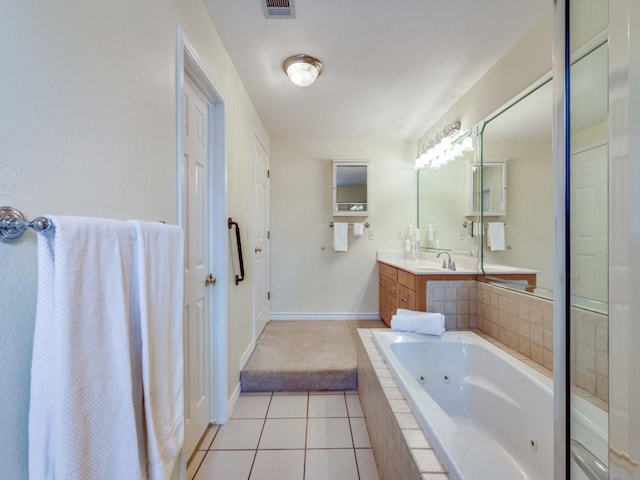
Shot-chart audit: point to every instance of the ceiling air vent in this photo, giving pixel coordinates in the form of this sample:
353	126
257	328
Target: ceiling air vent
279	8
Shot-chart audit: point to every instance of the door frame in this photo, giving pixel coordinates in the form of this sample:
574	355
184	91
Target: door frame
187	60
259	142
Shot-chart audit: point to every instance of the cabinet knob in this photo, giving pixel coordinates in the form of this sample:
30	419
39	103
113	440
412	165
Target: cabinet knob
210	280
403	299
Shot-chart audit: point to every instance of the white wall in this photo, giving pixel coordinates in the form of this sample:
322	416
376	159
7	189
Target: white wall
308	281
87	127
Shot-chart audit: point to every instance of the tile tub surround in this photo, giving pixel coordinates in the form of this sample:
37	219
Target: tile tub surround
525	323
399	445
456	299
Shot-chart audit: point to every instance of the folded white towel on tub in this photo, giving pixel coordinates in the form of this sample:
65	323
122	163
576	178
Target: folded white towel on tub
404	311
419	322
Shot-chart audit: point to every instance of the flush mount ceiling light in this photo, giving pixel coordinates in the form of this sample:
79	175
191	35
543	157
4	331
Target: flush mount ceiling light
302	69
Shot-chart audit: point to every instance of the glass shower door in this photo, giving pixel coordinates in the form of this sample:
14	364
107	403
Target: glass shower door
588	249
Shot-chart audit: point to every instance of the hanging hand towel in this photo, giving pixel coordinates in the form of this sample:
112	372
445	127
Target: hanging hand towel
82	411
159	271
340	236
495	236
419	322
358	229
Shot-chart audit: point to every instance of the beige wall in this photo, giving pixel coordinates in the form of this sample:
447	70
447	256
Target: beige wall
527	61
529	219
87	127
309	279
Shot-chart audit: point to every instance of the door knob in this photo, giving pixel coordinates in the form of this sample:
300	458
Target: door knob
257	250
210	280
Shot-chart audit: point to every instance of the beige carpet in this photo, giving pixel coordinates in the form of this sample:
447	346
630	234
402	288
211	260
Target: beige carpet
295	356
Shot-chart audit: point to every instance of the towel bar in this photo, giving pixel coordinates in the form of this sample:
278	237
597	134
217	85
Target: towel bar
13	224
366	225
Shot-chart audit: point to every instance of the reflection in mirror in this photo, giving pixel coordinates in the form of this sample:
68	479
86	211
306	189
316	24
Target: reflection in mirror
492	178
443	208
350	188
589	181
522	133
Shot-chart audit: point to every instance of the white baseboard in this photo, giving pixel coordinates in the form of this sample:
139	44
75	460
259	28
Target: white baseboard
233	399
324	316
247	354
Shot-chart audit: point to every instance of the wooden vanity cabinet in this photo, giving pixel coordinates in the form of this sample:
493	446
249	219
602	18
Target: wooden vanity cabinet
397	290
388	279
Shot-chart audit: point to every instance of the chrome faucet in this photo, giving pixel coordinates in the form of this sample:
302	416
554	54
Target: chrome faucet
447	264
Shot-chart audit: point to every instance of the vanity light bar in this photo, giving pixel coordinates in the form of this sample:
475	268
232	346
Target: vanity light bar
438	151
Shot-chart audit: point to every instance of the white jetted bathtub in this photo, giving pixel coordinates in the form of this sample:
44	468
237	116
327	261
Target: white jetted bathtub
487	414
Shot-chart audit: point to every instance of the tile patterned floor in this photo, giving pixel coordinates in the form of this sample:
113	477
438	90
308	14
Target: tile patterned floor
288	436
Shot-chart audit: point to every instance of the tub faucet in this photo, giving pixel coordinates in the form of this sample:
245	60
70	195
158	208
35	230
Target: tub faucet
447	264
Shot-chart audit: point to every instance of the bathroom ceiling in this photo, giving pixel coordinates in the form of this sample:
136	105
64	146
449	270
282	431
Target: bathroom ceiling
391	69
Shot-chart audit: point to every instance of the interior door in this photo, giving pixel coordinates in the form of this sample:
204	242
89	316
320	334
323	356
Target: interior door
261	236
195	164
589	223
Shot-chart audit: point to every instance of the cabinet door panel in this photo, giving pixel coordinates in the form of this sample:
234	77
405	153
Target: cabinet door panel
406	298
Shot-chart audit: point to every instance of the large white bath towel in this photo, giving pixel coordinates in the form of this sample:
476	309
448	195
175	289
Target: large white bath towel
160	273
340	236
82	418
418	322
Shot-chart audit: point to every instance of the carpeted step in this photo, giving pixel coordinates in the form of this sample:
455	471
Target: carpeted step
296	356
262	381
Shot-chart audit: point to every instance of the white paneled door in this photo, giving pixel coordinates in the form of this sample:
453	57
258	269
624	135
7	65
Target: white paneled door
589	223
261	236
195	215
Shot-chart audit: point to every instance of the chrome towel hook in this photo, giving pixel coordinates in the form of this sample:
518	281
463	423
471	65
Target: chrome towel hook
13	224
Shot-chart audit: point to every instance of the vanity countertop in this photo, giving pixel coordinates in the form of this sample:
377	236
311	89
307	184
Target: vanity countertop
424	265
428	264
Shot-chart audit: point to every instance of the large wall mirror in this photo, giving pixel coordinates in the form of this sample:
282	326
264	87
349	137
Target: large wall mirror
444	215
589	181
522	133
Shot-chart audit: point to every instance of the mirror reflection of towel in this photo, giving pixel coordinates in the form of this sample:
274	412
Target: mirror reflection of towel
340	236
495	236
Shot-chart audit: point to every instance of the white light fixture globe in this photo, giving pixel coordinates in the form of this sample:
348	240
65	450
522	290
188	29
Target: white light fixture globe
302	69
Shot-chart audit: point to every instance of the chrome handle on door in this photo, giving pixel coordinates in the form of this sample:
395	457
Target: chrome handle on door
210	280
257	250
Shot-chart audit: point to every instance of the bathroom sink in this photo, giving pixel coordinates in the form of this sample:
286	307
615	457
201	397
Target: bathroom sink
428	267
